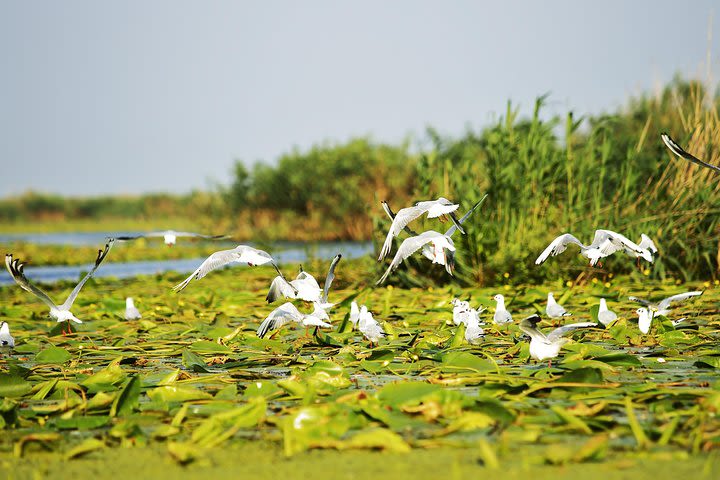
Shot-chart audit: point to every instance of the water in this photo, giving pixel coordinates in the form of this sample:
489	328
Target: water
283	252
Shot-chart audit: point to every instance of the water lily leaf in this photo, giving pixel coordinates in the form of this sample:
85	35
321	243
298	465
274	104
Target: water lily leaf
127	401
458	361
707	362
176	393
53	355
205	346
194	362
583	375
620	359
81	423
105	380
404	393
378	439
85	447
220	427
12	386
263	389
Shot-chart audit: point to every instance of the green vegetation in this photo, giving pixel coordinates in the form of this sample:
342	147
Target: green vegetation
192	382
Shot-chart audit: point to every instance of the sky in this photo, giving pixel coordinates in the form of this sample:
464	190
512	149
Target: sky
127	97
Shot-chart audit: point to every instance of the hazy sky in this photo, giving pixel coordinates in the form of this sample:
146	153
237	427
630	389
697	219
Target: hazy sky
135	96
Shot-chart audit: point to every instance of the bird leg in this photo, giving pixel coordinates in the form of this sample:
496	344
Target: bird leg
550	363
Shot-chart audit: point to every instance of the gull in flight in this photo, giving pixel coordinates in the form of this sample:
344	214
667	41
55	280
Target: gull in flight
605	243
433	209
677	150
427	250
501	315
655	309
61	313
304	287
606	316
240	254
170	236
6	340
547	346
554	310
131	312
464	314
440	243
287	313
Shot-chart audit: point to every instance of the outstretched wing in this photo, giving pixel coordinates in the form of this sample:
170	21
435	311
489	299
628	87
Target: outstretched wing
401	220
453	228
330	277
618	241
391	214
241	254
560	332
677	150
100	257
557	246
199	235
529	324
284	314
665	302
641	301
280	287
15	267
647	243
408	247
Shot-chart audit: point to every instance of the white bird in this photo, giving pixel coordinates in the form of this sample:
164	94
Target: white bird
354	314
131	312
677	150
605	316
473	330
240	254
61	313
287	313
461	310
440	243
427	250
433	208
554	310
304	287
369	327
646	243
6	340
605	243
547	346
170	236
644	319
663	306
501	315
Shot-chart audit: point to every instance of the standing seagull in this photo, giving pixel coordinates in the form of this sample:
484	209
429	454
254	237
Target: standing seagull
501	315
440	243
304	287
605	316
369	327
547	346
131	312
427	250
433	208
461	311
677	150
61	313
554	310
170	236
6	340
645	318
240	254
287	313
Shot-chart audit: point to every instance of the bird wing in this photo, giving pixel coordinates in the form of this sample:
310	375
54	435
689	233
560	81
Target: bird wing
560	332
529	326
408	247
619	241
641	301
454	228
401	220
665	302
647	243
193	234
100	257
284	314
15	267
558	246
253	256
213	262
391	214
677	150
280	287
330	277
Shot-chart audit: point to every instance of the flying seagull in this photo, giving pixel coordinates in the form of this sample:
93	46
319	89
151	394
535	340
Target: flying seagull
287	313
61	313
6	340
427	250
605	243
433	209
547	346
304	287
440	245
240	254
131	311
170	236
654	309
677	150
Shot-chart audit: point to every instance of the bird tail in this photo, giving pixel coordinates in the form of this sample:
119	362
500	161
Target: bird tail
180	286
